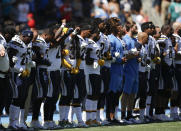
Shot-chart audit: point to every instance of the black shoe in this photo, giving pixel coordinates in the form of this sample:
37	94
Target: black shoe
115	122
149	119
2	127
12	128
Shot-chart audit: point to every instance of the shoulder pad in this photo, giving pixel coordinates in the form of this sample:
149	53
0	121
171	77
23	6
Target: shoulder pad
39	41
16	43
163	38
1	38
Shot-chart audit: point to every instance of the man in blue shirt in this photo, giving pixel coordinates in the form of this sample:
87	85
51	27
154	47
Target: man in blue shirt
116	70
130	86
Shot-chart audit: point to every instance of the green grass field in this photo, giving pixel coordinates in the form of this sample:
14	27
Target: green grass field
168	126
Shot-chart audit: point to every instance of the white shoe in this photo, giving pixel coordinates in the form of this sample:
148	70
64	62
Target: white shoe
166	118
179	117
53	125
158	117
174	116
124	121
74	124
141	120
104	122
36	125
46	125
14	112
134	121
23	126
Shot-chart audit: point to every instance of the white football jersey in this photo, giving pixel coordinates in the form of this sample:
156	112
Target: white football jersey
44	47
23	58
83	46
3	41
94	54
168	49
54	56
178	41
105	46
144	55
4	62
71	57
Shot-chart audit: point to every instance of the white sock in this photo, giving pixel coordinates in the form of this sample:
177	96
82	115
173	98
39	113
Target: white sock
179	110
66	112
102	115
88	116
70	114
94	105
116	113
0	121
142	112
98	115
42	112
21	116
88	104
14	112
94	109
137	103
61	112
84	116
78	112
88	107
93	115
148	102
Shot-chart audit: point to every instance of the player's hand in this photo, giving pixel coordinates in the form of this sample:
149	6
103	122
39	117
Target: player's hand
101	62
76	31
64	21
136	53
164	54
75	70
2	51
124	60
95	64
25	73
139	60
14	59
108	55
65	52
117	54
157	60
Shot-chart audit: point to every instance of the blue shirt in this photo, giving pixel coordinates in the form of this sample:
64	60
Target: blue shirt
132	66
116	46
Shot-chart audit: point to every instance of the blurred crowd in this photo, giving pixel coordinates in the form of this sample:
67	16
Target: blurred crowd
170	10
38	13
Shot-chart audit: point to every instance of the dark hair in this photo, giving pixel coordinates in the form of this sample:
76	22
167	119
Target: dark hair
165	28
113	22
85	26
107	26
128	26
9	30
97	21
147	25
23	27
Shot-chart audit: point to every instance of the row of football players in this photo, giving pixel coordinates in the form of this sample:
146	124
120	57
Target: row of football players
91	66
